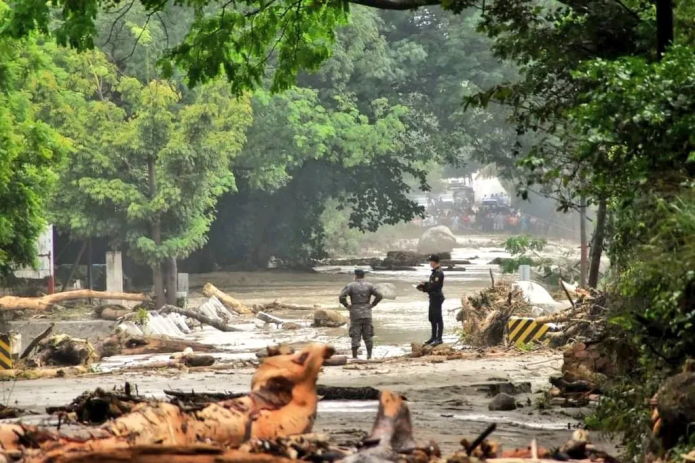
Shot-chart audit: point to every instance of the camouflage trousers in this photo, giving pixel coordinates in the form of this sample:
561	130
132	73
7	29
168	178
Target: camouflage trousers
362	329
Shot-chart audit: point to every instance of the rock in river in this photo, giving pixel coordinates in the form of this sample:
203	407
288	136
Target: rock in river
502	402
436	240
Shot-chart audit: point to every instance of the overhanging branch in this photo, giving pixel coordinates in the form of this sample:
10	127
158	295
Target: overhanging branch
396	4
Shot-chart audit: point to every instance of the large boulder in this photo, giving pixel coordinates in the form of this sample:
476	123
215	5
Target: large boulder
436	239
328	318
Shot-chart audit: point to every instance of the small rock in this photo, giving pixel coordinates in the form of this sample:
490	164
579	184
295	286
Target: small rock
502	402
290	326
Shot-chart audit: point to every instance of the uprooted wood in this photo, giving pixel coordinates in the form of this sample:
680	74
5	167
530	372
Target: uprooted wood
210	290
485	315
278	306
35	342
123	344
325	393
46	302
99	406
167	309
62	350
282	402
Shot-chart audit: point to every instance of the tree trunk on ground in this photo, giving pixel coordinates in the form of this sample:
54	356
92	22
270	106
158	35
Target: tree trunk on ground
171	280
46	302
200	317
597	247
210	290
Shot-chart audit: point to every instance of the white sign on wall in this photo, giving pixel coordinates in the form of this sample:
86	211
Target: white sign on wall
45	258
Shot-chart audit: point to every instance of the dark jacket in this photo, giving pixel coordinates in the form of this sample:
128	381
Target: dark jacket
360	293
435	284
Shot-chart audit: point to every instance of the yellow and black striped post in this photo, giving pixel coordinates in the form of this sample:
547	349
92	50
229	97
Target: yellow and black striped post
523	330
6	352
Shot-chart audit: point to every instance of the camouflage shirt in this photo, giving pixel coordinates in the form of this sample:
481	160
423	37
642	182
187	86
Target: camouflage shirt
360	293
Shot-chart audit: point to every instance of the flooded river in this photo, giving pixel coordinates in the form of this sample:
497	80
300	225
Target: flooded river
448	400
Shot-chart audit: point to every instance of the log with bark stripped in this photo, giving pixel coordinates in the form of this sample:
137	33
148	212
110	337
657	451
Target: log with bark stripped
210	290
282	402
46	302
218	324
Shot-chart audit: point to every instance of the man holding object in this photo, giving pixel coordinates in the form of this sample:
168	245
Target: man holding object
433	287
360	308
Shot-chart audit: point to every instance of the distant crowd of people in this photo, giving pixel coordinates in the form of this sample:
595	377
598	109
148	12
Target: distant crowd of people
487	219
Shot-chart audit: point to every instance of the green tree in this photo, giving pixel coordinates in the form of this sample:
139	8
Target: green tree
148	167
29	149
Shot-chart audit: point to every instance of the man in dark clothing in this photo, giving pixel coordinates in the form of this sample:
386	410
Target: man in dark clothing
360	307
433	287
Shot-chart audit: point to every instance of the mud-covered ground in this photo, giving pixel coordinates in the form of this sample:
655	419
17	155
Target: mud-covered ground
448	400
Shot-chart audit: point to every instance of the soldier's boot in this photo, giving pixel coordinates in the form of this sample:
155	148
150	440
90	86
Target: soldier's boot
354	352
433	337
369	352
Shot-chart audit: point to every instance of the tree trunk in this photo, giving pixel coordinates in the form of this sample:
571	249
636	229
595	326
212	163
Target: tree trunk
171	280
74	267
664	26
200	317
583	240
597	247
45	302
157	276
90	281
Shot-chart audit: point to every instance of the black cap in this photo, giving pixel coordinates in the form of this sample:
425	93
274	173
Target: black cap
434	258
359	273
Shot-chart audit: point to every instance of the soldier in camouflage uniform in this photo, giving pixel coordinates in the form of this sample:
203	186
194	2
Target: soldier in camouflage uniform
360	307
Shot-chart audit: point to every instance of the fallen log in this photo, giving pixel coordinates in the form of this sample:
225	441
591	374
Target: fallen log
336	361
40	373
162	454
277	305
232	304
46	302
282	402
153	345
35	342
269	318
198	316
112	312
347	393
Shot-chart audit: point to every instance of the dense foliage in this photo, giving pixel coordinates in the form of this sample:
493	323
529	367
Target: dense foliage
29	148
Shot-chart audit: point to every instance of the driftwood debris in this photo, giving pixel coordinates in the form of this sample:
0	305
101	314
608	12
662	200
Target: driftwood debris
279	306
112	312
282	402
485	315
62	350
198	316
35	342
46	302
210	290
155	345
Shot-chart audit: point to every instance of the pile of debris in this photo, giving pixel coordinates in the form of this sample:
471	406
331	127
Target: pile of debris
584	321
484	316
271	423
